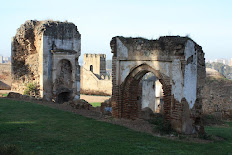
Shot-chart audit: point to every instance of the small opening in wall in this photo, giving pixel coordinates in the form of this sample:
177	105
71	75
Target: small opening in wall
63	97
91	68
151	93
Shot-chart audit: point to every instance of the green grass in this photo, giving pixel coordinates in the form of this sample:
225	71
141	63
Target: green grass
41	130
96	104
5	95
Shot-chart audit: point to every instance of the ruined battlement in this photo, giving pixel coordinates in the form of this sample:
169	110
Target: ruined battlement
167	46
94	55
95	63
56	29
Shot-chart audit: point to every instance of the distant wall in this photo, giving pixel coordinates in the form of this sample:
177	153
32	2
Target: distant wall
97	63
91	84
5	76
5	67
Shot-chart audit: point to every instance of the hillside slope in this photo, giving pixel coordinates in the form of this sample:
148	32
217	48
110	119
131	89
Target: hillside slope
217	95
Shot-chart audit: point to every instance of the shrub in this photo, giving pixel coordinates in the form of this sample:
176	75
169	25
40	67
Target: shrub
161	126
31	89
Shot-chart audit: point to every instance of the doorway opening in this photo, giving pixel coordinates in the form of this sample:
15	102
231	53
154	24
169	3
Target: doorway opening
63	97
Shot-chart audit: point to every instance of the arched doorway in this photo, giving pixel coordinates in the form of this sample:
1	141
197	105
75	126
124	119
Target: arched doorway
131	92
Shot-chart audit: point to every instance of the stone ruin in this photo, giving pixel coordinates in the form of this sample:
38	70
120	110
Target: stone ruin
178	63
46	54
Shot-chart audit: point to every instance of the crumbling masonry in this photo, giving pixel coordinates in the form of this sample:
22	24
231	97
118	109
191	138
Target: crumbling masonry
178	63
46	53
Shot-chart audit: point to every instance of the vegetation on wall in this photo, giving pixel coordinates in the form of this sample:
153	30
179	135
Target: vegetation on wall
31	89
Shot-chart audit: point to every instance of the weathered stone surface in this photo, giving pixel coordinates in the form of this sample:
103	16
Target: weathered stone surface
178	63
146	113
46	53
80	104
14	95
20	96
26	97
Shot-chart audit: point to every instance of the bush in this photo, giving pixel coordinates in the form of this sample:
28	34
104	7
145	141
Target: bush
161	126
31	89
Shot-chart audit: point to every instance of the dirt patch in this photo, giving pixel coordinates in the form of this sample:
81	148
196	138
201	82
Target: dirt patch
94	98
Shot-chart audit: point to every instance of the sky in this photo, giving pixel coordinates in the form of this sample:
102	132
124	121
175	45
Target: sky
207	22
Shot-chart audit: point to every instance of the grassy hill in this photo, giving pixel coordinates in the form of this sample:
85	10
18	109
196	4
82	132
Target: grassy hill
36	129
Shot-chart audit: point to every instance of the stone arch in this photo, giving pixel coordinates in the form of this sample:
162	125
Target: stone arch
130	108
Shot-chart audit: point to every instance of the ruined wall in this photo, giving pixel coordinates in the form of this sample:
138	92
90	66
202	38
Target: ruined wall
37	48
61	41
91	84
178	62
25	51
94	79
5	76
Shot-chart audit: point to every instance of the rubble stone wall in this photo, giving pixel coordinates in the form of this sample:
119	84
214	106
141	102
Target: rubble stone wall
25	56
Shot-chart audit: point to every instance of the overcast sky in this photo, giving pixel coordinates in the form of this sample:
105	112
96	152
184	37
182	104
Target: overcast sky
207	22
